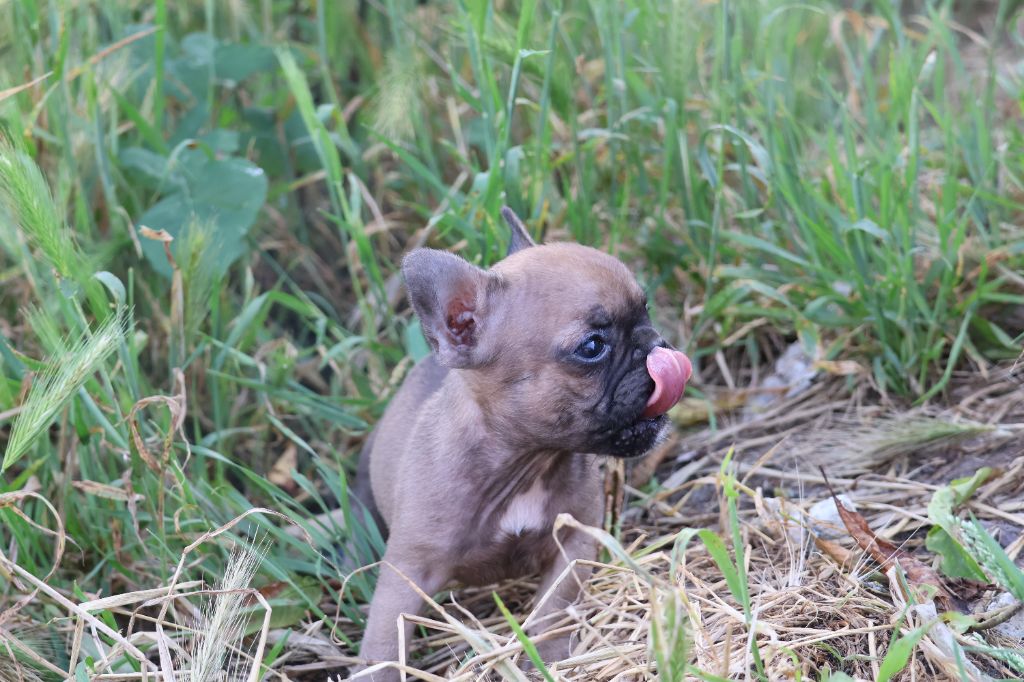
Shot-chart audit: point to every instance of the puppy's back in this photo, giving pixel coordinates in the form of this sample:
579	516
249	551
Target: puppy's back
387	443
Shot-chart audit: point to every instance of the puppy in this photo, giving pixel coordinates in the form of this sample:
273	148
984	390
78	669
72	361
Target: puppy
539	365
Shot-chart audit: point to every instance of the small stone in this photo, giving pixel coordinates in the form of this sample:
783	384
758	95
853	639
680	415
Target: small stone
824	518
1014	626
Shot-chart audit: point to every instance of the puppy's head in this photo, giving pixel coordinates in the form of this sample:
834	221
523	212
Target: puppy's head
554	342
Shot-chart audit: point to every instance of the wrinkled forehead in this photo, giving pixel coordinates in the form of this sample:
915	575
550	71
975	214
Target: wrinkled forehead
575	283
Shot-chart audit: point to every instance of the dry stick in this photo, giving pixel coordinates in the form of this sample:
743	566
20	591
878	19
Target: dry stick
468	616
209	535
117	600
88	617
990	619
254	593
859	482
111	602
1016	519
402	668
4	94
254	672
170	593
14	411
108	656
76	646
166	662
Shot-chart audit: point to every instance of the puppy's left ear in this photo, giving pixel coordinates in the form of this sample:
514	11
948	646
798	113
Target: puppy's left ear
450	296
519	237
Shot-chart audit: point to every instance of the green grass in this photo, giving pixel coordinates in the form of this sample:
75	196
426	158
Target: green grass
772	171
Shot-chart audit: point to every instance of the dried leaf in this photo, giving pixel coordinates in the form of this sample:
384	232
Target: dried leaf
156	235
840	367
281	473
837	552
888	554
692	411
106	491
176	405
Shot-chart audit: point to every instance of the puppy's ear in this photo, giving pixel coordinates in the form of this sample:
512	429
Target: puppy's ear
519	238
450	296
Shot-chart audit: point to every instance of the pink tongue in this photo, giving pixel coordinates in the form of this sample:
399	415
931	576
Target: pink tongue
670	370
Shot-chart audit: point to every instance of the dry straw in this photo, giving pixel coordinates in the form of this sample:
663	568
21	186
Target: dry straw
660	608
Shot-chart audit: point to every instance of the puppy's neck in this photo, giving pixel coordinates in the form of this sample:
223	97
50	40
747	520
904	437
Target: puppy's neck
482	401
519	478
505	466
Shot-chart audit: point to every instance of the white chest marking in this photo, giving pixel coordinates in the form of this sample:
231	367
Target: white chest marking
525	511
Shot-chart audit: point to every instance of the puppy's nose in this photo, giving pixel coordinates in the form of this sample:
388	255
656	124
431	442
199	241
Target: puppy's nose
645	339
670	370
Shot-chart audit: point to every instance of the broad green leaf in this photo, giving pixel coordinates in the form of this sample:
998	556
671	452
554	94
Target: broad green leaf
959	622
868	226
963	488
225	193
148	169
221	141
237	61
289	603
113	285
193	70
415	344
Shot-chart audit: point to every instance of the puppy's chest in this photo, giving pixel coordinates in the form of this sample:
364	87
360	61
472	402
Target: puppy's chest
514	541
525	513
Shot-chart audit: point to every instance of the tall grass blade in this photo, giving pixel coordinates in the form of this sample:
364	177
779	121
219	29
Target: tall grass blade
528	646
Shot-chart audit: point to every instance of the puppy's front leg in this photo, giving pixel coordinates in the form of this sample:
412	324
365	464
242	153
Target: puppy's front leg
577	546
393	597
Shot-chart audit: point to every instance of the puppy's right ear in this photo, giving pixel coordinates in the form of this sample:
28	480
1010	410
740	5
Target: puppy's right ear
449	296
519	237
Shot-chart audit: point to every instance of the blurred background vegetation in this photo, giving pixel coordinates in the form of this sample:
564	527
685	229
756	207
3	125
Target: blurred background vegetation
846	175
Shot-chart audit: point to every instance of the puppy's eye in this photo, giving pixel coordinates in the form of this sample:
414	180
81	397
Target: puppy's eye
593	348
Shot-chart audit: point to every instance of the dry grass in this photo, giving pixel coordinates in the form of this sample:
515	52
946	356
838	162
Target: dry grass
180	631
817	604
335	231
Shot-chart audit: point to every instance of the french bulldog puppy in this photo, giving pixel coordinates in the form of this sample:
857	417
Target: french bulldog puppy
540	365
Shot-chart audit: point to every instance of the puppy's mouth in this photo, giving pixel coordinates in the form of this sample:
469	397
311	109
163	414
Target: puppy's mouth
637	438
669	370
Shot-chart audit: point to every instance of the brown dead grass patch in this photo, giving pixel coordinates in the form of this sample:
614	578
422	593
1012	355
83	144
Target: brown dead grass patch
818	602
